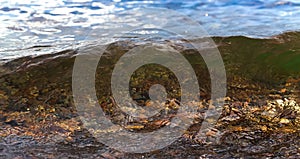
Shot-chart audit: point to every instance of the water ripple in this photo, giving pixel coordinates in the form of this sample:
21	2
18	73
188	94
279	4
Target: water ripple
65	22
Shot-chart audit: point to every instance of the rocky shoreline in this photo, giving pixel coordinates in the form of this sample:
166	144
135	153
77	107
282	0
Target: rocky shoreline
260	117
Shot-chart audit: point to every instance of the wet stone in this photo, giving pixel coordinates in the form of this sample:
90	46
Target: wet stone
38	118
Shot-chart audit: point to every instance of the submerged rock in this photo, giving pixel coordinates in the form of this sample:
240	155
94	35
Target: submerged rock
259	118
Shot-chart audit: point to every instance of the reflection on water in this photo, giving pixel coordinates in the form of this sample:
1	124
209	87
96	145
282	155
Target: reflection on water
61	23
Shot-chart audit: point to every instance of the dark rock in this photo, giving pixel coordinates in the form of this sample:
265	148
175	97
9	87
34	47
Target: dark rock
12	123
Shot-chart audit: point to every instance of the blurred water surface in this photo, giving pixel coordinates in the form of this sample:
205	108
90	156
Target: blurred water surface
36	27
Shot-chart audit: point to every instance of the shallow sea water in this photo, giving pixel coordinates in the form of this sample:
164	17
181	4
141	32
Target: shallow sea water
30	86
41	27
